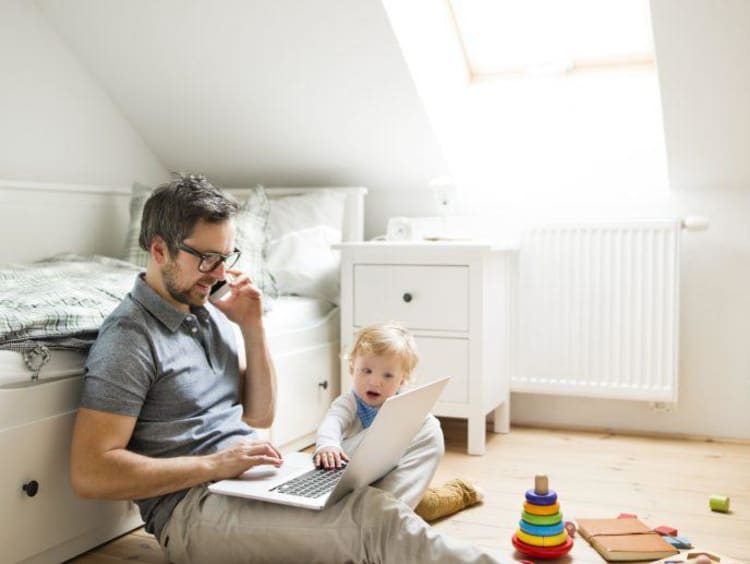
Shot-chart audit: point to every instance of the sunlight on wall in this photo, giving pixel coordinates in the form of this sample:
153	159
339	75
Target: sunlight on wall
595	136
565	139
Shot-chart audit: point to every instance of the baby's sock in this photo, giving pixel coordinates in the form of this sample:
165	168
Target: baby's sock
448	498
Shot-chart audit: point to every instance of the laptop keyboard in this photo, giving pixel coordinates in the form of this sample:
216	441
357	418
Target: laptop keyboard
311	484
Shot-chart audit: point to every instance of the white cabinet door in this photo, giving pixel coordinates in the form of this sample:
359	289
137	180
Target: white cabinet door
420	297
438	358
307	383
30	525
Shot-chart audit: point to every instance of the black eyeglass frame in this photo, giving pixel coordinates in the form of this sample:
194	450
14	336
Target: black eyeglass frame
234	256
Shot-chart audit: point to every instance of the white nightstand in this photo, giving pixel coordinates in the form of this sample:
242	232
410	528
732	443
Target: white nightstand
457	299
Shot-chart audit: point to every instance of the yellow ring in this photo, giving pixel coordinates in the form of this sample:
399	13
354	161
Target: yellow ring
535	540
541	509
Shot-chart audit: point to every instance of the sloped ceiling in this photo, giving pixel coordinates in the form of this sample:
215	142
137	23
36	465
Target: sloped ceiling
281	92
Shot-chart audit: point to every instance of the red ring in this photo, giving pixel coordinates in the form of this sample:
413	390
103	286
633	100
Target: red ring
541	552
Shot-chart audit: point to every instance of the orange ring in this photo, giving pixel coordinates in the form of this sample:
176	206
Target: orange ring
541	509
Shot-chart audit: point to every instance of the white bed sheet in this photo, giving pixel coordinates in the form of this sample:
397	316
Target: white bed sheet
294	323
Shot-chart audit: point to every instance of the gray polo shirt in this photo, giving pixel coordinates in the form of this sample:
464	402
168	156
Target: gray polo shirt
177	373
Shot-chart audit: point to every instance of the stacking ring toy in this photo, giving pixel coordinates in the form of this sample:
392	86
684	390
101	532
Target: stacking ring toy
536	540
541	509
541	519
541	499
541	530
540	552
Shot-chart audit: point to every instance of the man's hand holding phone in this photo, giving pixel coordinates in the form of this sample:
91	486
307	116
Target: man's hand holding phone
239	299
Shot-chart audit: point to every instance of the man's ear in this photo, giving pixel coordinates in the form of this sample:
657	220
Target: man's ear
159	250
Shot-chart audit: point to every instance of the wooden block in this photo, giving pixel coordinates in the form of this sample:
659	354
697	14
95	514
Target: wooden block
666	530
541	484
678	542
719	503
710	555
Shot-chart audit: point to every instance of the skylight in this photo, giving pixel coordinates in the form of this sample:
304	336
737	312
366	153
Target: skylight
512	36
540	102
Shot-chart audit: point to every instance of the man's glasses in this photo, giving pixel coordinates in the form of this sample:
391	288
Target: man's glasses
211	261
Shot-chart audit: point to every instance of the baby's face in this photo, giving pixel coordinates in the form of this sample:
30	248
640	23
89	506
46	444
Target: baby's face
377	377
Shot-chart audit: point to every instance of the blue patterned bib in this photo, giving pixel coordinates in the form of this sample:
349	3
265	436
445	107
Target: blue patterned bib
365	412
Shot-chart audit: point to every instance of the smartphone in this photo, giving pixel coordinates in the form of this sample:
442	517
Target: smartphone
219	290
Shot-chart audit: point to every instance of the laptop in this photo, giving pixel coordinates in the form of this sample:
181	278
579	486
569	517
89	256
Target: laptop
300	484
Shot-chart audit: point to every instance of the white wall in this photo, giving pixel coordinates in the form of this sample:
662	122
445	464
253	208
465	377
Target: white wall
282	93
702	48
300	92
57	124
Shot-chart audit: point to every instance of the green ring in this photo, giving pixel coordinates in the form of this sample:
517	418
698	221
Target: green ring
541	519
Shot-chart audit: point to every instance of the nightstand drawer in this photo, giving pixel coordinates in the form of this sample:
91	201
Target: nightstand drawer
420	297
439	358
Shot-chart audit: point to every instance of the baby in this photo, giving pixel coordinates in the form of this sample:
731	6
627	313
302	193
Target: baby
381	362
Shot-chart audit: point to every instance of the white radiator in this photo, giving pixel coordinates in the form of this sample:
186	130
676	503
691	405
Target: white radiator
598	310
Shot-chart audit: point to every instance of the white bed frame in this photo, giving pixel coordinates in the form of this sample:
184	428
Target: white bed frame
36	421
38	219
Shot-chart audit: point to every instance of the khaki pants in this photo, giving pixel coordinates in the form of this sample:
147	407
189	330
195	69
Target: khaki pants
369	525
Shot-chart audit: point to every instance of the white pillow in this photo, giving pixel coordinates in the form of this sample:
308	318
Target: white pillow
301	232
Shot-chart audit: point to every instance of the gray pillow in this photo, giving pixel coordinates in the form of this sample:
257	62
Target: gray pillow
133	252
251	237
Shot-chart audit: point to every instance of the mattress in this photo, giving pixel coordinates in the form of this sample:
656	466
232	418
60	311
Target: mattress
294	323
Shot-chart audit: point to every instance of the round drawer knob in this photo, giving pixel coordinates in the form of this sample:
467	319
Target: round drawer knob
323	384
31	488
407	297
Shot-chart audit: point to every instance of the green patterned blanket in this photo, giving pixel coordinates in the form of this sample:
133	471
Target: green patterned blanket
60	302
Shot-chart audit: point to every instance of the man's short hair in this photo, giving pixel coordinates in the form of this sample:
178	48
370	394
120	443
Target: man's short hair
174	208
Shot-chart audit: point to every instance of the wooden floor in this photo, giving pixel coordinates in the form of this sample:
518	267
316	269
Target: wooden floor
664	482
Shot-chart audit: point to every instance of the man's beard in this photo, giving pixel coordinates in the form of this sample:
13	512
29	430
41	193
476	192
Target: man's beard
180	295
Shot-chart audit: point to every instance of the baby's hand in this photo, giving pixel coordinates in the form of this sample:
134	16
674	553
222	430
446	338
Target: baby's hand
330	457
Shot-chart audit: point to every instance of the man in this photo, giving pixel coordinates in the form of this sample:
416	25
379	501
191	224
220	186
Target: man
169	403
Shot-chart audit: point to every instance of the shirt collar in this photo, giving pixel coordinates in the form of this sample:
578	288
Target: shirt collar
160	308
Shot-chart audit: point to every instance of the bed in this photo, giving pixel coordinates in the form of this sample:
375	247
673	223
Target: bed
42	520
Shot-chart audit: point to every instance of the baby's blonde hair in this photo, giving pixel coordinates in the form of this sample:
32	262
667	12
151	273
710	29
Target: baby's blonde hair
386	338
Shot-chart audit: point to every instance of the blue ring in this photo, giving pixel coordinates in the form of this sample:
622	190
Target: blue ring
541	530
541	499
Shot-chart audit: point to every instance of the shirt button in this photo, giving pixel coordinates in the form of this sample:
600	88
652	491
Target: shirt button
194	330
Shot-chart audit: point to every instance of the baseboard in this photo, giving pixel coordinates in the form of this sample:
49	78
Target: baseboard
632	433
85	542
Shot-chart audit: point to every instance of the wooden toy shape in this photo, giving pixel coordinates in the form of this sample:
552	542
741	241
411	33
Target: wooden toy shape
541	552
541	530
541	519
678	542
541	499
541	484
541	509
719	503
666	530
547	542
